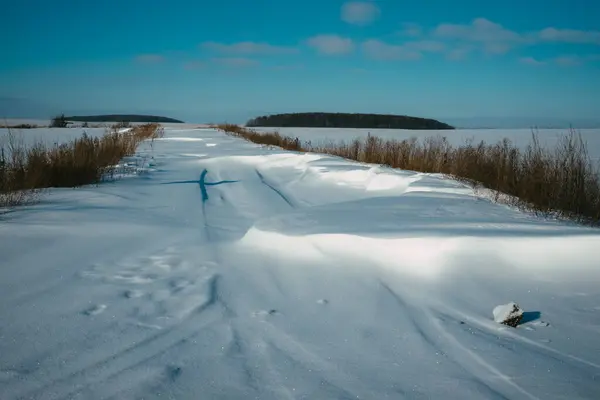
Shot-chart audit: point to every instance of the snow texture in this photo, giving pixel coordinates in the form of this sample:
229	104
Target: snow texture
222	269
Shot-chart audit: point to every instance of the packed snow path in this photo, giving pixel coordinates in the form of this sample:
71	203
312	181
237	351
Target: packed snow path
223	269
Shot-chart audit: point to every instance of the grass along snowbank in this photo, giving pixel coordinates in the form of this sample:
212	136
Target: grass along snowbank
563	181
84	160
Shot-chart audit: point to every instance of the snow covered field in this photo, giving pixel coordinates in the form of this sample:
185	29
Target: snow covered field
227	270
49	137
520	137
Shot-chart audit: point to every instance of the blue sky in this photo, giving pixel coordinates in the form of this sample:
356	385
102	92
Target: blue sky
209	61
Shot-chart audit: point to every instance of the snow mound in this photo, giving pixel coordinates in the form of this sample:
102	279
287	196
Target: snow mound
241	271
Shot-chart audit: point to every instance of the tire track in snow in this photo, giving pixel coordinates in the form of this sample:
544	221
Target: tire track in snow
274	189
541	348
435	332
284	345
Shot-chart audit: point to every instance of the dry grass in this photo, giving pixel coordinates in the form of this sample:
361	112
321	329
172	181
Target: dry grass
562	181
24	126
86	160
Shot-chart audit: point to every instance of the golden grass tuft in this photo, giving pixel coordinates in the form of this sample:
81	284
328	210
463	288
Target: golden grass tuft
85	160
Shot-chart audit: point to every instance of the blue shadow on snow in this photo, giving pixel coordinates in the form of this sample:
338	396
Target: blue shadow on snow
530	316
202	183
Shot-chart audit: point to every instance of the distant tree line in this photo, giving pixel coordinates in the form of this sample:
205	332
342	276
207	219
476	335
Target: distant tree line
122	118
346	120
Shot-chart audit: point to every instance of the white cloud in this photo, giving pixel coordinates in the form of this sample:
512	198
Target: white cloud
331	44
149	58
493	37
454	41
569	36
480	29
360	12
248	48
379	50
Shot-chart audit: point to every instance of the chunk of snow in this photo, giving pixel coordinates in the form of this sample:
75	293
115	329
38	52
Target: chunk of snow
508	314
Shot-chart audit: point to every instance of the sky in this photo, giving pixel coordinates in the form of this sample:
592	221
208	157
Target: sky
230	60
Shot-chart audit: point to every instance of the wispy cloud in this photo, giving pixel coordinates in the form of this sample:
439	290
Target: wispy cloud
568	61
359	12
531	61
569	36
411	29
379	50
492	37
564	61
459	53
428	46
454	41
248	48
412	50
331	44
149	58
235	62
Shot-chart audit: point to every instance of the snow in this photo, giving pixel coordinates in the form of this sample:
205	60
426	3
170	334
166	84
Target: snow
509	313
49	136
549	137
223	269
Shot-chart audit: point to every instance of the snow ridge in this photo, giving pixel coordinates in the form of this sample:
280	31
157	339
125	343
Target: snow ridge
231	270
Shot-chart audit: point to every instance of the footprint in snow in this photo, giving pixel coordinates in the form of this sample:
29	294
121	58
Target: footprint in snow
95	310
